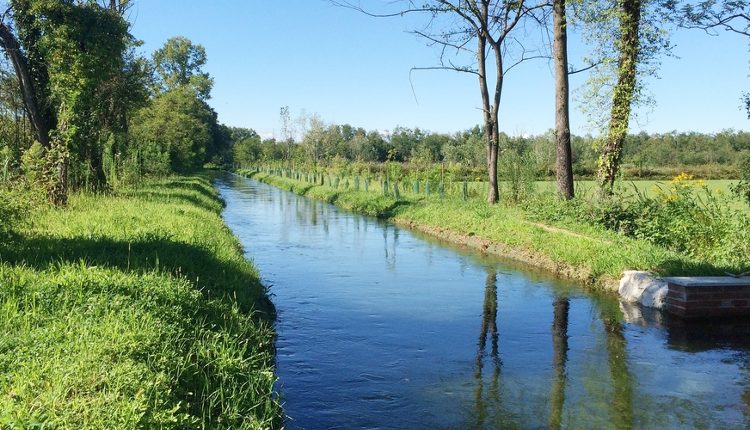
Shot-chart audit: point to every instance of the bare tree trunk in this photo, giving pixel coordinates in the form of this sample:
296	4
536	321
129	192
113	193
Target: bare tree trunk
562	112
609	161
489	107
11	46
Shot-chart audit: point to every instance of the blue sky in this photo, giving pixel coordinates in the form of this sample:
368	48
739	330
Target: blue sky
349	68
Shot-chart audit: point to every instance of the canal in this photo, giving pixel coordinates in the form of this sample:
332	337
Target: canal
379	327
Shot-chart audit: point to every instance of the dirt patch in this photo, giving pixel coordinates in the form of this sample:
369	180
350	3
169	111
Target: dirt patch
551	229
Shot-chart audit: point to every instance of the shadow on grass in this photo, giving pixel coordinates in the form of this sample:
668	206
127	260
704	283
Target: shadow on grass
677	267
186	198
216	278
195	185
393	209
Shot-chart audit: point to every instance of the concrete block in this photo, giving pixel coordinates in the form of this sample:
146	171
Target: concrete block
637	286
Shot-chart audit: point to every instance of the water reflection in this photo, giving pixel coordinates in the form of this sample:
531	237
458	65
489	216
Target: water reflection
622	384
488	331
561	308
378	329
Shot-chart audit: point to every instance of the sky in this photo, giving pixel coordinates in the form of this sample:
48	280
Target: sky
350	68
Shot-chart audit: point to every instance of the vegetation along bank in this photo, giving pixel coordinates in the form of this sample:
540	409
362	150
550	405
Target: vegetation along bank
682	229
132	309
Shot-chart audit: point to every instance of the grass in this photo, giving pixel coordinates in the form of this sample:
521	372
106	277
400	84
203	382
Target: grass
586	252
134	310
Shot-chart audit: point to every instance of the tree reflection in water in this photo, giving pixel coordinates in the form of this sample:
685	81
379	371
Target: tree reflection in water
622	382
489	399
561	308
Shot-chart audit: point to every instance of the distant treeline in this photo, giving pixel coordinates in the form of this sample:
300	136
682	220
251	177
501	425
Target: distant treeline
645	155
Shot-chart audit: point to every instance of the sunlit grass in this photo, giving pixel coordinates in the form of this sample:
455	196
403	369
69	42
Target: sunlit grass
135	310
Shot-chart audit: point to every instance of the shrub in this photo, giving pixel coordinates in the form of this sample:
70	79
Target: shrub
742	188
17	198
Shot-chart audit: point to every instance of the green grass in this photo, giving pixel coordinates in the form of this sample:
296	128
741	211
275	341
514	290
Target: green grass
649	187
134	310
586	252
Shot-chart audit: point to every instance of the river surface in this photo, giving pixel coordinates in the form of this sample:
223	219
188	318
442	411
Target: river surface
379	327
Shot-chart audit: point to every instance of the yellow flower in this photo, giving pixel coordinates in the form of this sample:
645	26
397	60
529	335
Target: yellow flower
682	177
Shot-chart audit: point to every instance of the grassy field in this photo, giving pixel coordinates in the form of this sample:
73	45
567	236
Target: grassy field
587	188
134	310
592	254
648	187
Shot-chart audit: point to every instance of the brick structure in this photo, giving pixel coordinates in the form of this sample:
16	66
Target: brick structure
708	296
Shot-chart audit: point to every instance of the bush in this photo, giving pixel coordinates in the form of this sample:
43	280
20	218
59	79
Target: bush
684	217
17	198
742	188
519	174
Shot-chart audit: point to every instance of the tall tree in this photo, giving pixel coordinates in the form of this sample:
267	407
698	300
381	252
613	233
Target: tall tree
180	63
628	37
63	52
562	97
453	25
628	46
30	87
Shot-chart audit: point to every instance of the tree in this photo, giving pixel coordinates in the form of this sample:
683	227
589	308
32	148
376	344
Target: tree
173	133
628	47
64	53
287	130
628	37
562	96
12	47
180	63
453	25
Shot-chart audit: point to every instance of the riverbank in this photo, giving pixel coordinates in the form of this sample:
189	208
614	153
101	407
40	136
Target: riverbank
592	255
134	310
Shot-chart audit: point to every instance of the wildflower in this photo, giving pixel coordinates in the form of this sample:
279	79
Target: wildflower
682	177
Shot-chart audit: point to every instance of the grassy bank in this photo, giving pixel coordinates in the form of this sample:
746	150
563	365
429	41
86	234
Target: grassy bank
588	253
133	310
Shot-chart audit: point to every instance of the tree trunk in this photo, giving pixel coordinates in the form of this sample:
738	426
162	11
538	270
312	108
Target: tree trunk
11	46
96	164
562	112
622	98
489	109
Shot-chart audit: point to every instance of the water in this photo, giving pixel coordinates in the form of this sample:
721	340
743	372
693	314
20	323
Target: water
381	328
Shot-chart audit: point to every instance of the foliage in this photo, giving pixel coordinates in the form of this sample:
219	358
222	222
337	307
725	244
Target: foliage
685	216
662	155
742	189
172	134
136	310
179	63
17	199
519	173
